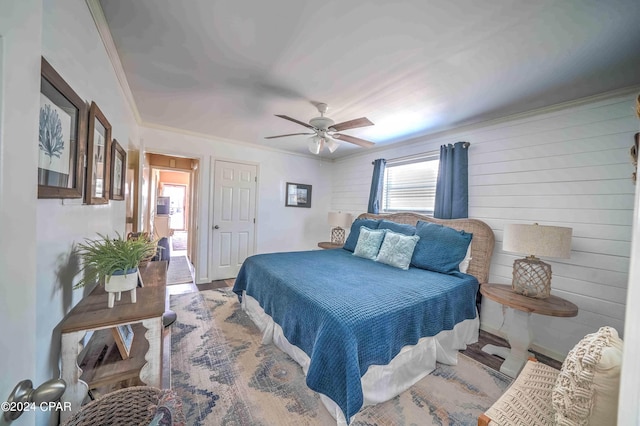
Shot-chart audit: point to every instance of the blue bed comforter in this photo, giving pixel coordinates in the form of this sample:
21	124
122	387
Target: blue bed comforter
347	313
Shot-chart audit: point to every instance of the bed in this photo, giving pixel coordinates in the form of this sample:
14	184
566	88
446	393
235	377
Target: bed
364	331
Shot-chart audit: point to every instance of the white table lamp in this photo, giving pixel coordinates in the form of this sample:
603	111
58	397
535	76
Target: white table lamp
532	276
339	222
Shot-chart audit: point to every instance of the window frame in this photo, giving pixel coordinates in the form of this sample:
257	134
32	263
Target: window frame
405	161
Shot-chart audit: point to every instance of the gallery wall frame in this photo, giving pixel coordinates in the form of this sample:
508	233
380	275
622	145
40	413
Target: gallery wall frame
62	137
118	171
98	157
297	195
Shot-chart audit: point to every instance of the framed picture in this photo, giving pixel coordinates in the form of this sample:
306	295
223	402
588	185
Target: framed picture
118	171
123	335
98	157
298	195
62	137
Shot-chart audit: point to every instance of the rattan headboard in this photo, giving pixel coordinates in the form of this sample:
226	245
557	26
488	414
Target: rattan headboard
481	244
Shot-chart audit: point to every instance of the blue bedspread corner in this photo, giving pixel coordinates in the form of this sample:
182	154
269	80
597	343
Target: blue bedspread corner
240	283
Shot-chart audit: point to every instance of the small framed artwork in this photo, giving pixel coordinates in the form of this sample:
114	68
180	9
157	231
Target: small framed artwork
62	136
98	157
298	195
118	171
123	335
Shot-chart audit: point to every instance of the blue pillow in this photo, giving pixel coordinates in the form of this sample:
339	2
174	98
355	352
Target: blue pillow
440	248
352	239
397	249
369	242
399	228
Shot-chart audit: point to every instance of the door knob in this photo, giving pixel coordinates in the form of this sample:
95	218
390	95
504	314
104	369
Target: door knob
24	394
216	227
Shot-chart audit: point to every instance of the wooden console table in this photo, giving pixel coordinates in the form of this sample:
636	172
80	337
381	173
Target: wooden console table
92	314
519	331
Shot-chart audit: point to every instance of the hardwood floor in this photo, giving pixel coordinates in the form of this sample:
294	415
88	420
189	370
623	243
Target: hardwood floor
213	284
473	351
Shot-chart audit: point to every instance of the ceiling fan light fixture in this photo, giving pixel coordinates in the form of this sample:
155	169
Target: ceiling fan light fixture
326	131
322	123
315	145
332	145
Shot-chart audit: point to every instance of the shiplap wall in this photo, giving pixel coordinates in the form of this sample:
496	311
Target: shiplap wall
566	166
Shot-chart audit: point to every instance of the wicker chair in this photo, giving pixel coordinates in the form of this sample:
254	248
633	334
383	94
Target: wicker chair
527	401
131	406
583	392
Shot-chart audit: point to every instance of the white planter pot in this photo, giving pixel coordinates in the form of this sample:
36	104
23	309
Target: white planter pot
119	282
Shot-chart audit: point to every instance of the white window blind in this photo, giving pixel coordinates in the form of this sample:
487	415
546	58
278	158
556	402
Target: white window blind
410	184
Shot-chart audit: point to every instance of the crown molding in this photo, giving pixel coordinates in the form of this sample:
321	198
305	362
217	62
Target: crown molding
214	138
105	34
625	91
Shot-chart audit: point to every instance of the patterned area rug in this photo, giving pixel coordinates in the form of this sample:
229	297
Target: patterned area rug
225	376
179	271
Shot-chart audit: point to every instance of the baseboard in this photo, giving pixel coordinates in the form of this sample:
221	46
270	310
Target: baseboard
541	350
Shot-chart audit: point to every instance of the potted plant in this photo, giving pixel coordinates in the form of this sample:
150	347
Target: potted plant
114	262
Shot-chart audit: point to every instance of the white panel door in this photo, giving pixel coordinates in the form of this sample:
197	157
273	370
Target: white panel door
234	205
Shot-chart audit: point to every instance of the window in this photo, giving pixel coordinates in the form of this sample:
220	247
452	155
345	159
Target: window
410	184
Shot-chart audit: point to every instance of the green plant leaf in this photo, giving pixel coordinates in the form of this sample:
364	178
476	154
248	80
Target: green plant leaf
104	256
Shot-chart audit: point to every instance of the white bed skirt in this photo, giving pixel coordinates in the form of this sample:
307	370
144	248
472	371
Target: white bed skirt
381	382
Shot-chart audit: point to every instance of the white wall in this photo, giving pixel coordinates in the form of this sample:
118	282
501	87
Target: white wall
629	410
71	44
566	167
20	40
279	228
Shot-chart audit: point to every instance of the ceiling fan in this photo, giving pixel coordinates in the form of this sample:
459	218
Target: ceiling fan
325	131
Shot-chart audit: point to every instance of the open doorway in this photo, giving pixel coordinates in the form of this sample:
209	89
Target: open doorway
174	187
173	203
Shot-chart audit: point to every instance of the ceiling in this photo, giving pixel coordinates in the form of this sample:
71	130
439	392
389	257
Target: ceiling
224	67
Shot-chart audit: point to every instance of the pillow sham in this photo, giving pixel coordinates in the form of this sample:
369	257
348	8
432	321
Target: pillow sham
464	265
369	242
352	239
399	228
440	248
397	249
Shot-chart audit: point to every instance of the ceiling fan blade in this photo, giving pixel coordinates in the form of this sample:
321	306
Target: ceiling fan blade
290	134
361	142
295	121
352	124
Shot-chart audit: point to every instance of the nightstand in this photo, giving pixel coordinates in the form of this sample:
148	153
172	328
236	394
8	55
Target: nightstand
519	332
328	245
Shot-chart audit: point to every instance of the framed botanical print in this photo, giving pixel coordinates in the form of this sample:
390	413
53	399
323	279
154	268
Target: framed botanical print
62	136
298	195
118	171
98	157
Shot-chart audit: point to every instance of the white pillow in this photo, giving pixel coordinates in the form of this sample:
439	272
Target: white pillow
464	265
586	391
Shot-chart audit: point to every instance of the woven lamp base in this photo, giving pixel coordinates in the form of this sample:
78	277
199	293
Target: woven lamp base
532	278
337	235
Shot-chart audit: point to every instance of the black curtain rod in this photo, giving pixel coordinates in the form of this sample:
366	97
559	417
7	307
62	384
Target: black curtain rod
464	145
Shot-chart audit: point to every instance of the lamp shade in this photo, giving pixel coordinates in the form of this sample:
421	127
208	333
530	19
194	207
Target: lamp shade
332	145
315	145
538	240
339	219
